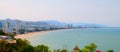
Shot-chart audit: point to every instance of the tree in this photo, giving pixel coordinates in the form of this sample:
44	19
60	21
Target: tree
41	48
64	50
90	48
3	45
10	35
58	50
85	50
12	48
21	42
27	48
22	31
1	32
110	51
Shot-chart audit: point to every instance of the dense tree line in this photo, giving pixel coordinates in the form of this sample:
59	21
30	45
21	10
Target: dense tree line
21	46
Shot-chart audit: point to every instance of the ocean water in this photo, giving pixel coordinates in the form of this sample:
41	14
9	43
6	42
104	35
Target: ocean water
104	38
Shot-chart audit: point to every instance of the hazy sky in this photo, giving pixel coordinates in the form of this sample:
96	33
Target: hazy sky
93	11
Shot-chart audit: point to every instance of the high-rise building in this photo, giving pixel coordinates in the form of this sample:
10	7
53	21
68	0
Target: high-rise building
27	27
6	27
17	26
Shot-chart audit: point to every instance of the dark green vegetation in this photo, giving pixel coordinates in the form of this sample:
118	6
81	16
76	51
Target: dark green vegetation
1	32
110	51
89	48
20	45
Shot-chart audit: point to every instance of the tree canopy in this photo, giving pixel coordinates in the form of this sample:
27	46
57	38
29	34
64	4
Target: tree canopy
1	32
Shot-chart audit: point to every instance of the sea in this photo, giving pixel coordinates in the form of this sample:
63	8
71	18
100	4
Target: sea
104	38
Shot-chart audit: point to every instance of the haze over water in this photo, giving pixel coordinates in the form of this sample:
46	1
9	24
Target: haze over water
104	38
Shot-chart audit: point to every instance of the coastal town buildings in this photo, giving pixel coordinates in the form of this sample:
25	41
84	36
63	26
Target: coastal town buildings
11	27
8	39
22	27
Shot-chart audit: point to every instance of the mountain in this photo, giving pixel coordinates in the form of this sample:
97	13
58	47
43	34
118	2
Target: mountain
88	25
49	24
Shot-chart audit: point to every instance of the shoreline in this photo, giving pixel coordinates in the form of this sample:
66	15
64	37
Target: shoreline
27	35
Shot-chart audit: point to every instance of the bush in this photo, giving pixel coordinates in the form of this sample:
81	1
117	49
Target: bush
1	32
41	48
110	51
27	48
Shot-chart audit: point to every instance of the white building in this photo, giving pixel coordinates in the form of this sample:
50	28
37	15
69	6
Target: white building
16	27
6	27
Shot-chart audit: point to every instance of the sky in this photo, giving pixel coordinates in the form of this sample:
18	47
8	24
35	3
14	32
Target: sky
105	12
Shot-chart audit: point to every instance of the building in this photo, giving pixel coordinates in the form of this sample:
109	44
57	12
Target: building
6	27
76	49
8	39
5	37
17	27
27	26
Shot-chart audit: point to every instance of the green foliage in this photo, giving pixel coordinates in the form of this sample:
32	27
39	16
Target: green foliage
3	44
1	32
22	31
8	47
11	35
58	50
89	48
41	48
21	42
110	51
27	48
85	50
12	48
64	50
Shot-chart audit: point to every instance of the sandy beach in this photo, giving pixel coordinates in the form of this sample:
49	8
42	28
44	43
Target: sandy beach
27	35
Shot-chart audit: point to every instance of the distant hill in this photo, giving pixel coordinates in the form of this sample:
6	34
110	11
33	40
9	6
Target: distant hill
49	23
88	25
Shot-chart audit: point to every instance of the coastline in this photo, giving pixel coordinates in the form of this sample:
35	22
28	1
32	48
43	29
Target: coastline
27	35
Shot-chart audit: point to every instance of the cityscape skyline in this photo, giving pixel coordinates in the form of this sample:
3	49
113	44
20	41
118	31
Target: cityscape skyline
104	12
